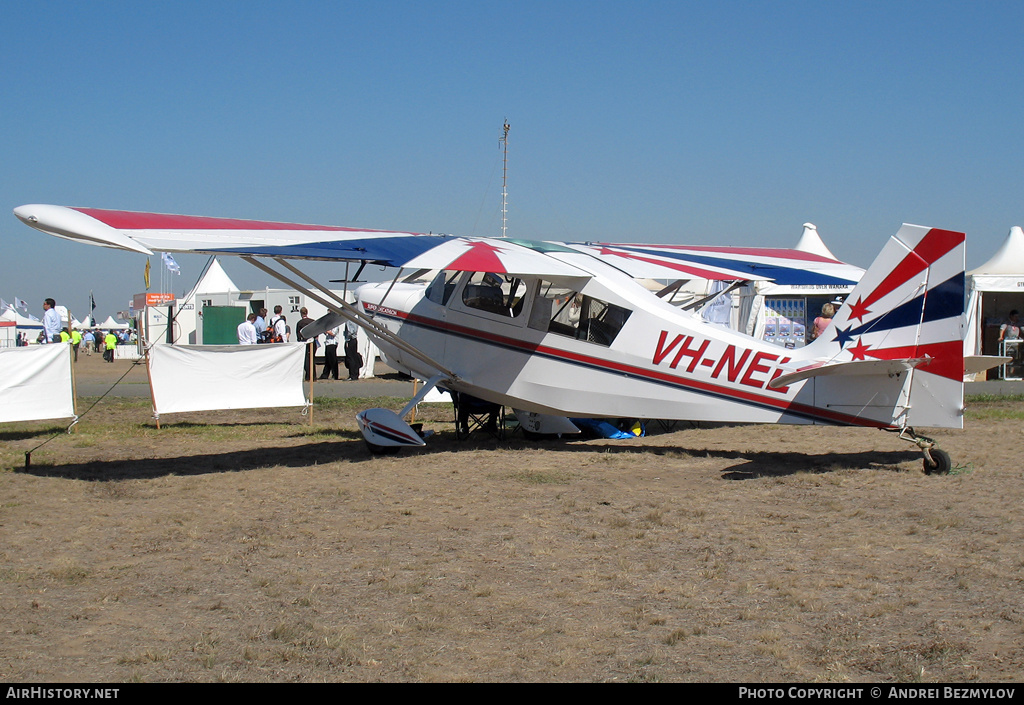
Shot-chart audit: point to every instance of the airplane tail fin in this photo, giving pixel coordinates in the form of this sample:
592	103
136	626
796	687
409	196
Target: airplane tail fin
909	306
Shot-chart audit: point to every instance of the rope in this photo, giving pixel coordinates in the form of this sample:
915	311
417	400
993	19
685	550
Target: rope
28	454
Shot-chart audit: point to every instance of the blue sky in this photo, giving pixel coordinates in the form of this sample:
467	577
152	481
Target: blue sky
679	122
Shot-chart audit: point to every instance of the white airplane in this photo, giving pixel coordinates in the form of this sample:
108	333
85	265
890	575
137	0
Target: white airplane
565	330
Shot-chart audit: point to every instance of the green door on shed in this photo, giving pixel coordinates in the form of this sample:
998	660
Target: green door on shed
220	324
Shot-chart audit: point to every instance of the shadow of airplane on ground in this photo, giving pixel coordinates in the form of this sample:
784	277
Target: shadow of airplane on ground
349	447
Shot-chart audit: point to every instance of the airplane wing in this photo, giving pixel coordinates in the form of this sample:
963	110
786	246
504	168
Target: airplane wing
782	266
149	232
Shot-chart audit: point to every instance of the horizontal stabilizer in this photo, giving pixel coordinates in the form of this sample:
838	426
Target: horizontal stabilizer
979	363
856	367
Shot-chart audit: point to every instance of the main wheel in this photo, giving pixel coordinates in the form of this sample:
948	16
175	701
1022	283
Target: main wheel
942	463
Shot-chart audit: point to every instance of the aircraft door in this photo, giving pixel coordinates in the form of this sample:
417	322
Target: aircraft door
440	293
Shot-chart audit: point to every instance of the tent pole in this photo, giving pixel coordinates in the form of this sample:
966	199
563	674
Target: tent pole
74	387
312	378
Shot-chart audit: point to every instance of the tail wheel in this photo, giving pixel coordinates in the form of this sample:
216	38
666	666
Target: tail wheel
941	463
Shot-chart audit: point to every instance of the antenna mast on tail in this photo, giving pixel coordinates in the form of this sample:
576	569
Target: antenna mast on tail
504	183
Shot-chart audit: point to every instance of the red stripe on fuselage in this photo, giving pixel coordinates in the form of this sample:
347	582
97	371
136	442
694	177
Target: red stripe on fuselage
641	372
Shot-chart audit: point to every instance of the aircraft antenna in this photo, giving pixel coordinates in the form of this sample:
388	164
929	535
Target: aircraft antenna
504	183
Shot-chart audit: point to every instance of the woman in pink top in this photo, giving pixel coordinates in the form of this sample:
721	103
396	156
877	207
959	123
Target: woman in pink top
823	321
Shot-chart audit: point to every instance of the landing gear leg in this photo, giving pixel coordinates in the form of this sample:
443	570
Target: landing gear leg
936	461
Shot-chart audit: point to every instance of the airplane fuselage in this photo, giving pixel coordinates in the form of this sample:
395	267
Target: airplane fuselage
611	348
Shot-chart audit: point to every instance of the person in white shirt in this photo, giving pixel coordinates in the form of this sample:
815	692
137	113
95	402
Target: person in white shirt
331	355
278	327
247	331
353	360
51	322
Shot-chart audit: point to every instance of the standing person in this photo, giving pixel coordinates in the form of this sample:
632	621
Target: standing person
51	322
261	324
1011	329
330	354
90	341
353	360
110	341
76	340
247	331
823	321
277	328
310	343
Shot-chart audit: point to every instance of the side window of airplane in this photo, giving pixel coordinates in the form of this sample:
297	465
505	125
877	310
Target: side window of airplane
566	312
494	293
440	290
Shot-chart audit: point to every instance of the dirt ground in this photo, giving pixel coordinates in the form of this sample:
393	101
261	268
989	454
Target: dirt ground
256	547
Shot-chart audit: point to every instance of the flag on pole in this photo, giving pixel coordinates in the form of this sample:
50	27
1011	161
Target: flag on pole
4	305
92	304
147	273
21	303
169	262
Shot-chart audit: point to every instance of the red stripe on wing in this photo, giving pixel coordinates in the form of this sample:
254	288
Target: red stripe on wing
130	220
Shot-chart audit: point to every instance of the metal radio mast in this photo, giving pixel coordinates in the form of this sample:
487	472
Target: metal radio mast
504	183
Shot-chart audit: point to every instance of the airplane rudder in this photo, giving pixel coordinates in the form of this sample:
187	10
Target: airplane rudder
915	282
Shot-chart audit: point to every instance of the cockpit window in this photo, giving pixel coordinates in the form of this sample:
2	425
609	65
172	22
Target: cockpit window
440	290
494	293
566	312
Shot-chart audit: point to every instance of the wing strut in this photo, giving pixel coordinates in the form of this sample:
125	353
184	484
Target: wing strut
700	302
348	312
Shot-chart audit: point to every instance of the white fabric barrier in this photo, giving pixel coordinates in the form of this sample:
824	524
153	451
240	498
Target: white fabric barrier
35	383
207	377
127	352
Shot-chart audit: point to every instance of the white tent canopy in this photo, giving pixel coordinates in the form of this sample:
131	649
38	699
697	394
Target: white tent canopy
1005	271
213	281
111	324
21	321
993	290
811	242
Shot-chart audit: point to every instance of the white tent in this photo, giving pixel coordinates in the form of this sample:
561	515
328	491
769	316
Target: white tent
811	242
111	324
24	324
213	288
993	290
213	281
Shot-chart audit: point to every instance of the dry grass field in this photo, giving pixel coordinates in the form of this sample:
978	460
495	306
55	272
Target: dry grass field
255	547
